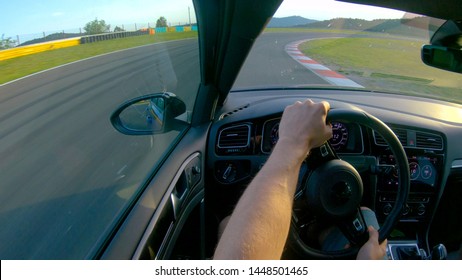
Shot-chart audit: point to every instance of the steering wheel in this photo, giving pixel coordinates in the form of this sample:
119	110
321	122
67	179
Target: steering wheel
332	190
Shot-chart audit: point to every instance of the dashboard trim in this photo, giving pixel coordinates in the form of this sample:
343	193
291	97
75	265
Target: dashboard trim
456	164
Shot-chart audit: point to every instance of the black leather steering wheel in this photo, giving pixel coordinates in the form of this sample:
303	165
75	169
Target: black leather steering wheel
333	189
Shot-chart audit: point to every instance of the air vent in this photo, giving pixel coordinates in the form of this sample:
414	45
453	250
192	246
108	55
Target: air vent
413	139
400	133
234	139
428	141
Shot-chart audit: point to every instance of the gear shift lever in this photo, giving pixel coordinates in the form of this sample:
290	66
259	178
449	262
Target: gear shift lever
439	252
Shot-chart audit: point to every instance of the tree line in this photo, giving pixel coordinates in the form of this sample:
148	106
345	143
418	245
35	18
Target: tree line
99	26
91	28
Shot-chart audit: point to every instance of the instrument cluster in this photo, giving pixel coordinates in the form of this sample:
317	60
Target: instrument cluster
347	137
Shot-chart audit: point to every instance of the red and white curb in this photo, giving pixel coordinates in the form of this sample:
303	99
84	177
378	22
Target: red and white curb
322	71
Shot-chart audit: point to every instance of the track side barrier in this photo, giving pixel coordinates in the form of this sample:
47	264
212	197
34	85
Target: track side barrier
112	35
41	47
36	48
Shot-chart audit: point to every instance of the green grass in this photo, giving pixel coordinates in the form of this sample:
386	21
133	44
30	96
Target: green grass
340	32
385	64
400	77
15	68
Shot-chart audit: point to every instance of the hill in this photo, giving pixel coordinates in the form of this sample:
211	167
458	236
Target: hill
289	22
415	27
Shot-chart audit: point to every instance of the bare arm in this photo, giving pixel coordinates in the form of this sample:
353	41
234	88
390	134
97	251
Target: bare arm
372	250
260	222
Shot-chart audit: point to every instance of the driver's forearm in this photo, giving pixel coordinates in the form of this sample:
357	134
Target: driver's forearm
260	223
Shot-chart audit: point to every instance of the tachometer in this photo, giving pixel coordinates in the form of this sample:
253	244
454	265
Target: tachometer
339	136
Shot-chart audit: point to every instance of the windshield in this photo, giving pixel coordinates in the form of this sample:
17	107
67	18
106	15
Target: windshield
67	176
337	44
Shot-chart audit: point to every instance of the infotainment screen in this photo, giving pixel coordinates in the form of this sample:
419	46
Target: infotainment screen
423	171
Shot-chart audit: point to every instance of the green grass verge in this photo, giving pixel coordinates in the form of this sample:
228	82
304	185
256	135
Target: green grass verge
15	68
385	64
400	77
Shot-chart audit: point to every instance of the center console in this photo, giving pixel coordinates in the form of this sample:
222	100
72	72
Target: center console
405	250
425	152
409	250
425	169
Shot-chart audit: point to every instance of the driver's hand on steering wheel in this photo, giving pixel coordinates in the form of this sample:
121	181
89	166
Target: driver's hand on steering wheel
372	250
303	127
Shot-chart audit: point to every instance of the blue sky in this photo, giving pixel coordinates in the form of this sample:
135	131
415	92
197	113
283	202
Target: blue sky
328	9
37	16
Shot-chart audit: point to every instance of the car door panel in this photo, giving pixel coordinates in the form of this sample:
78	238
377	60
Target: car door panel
161	209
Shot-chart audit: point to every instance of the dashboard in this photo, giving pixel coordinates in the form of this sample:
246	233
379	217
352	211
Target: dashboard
247	129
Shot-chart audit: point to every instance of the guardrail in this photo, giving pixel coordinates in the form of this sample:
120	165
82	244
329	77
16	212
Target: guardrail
112	35
32	49
41	47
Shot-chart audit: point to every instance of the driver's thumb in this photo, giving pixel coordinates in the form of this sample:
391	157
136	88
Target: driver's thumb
373	233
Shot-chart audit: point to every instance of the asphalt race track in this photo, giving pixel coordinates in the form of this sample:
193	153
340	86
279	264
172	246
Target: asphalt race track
65	173
261	71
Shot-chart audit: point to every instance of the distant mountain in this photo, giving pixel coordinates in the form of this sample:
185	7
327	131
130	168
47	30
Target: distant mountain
289	21
417	27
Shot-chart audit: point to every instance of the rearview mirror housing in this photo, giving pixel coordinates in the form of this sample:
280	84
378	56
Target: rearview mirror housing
150	114
443	58
445	49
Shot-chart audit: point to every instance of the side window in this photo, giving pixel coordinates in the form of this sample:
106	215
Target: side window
67	176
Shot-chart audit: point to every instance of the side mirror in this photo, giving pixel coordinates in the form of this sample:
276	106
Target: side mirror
445	50
149	114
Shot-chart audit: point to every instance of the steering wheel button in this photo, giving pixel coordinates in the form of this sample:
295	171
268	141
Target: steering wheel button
357	224
324	151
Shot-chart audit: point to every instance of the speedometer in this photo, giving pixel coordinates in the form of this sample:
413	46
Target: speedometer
274	134
339	136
